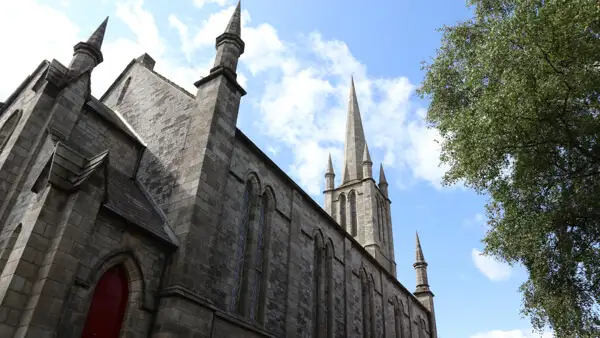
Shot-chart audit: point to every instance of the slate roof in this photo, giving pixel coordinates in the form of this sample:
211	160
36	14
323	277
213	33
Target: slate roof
123	195
127	199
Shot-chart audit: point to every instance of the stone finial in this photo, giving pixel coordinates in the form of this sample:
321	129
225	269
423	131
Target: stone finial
382	179
383	184
366	155
367	163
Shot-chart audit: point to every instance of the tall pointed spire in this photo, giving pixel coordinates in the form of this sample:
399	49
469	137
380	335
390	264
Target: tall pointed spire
355	139
420	266
329	175
97	37
88	54
422	290
230	45
329	166
235	23
419	252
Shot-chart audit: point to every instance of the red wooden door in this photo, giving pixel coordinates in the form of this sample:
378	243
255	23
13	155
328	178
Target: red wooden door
107	310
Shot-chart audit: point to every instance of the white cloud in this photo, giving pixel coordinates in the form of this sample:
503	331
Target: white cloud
43	33
201	3
477	221
491	268
513	334
302	106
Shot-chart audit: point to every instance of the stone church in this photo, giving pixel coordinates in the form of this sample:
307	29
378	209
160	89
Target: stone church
147	213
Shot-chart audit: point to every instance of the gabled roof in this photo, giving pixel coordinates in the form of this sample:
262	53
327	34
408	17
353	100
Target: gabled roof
150	69
124	196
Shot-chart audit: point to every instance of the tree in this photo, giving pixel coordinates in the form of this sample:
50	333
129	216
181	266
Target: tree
514	94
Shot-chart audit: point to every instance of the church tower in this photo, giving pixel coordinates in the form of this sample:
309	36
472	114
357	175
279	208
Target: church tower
360	205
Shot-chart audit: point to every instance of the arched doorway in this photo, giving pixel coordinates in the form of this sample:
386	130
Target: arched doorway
109	302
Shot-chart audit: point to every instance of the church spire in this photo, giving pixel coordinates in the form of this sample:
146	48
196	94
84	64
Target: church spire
235	23
230	45
88	54
419	257
355	139
97	37
420	266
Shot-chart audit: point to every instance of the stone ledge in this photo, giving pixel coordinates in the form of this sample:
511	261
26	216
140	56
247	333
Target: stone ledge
241	323
187	294
220	71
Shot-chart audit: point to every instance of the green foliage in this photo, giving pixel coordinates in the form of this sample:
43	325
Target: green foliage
514	93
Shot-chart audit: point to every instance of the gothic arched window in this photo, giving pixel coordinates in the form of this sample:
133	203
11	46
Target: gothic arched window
319	325
353	220
258	287
343	210
242	238
8	128
329	288
399	318
367	305
123	91
371	305
423	327
323	289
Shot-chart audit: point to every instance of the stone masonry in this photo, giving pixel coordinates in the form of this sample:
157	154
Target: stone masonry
150	205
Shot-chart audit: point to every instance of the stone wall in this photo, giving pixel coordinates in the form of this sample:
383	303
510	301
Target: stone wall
113	242
92	135
292	252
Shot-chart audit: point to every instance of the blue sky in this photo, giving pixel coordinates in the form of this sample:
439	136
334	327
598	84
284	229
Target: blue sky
297	66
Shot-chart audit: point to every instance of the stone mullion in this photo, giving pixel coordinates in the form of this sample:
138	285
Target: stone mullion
398	318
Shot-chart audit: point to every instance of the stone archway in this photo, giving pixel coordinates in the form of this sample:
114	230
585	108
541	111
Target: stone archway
109	302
